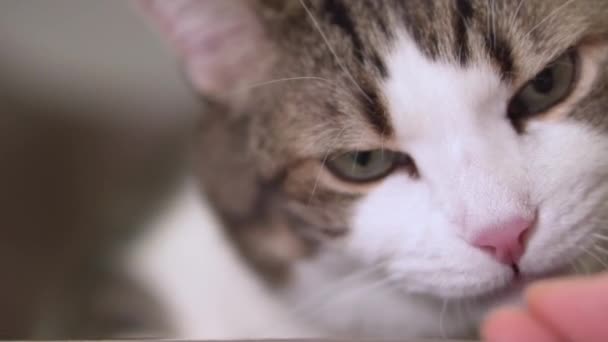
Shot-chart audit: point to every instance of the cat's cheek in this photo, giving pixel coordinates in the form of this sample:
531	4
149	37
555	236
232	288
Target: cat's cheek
568	168
389	219
399	227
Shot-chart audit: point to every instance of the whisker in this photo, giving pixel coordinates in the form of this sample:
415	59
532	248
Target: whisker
442	313
313	300
513	17
358	291
318	176
601	249
584	267
280	80
462	317
574	267
467	307
467	28
323	161
326	293
354	161
331	49
548	17
335	84
601	237
594	256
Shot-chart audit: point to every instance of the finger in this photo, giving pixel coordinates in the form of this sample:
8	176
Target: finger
508	325
576	308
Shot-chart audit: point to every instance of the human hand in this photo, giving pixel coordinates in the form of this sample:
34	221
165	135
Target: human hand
571	309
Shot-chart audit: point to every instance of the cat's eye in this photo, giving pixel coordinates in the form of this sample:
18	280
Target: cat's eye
364	166
548	88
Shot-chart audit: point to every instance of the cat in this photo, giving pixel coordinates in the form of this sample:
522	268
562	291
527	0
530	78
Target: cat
400	168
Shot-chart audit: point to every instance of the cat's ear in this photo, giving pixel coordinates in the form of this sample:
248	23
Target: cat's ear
221	43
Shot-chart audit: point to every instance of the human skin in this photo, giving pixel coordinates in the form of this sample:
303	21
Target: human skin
570	309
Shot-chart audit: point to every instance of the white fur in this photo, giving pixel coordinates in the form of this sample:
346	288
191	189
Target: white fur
475	172
206	290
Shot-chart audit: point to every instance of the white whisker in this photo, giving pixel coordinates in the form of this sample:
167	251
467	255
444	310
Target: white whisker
467	308
355	291
442	314
280	80
513	17
354	276
585	269
548	17
462	317
327	293
594	256
323	161
601	249
320	297
601	237
318	176
576	270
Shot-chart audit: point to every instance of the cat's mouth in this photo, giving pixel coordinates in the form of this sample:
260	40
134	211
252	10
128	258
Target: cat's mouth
518	283
516	272
522	280
508	287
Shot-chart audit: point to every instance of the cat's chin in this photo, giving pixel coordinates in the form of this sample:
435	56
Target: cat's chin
512	294
509	292
514	289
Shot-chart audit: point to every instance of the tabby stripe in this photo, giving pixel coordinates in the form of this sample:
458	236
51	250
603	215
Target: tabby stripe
374	8
341	18
424	35
462	16
379	64
500	51
375	112
432	39
311	232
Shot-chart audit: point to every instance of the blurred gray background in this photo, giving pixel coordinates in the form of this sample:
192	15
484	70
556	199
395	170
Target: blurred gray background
94	124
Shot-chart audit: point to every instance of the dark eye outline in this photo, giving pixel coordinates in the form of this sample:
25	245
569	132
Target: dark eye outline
399	160
517	111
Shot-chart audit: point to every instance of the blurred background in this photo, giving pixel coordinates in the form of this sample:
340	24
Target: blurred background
94	124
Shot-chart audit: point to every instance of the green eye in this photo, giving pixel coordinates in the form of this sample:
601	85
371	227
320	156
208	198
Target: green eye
546	89
363	166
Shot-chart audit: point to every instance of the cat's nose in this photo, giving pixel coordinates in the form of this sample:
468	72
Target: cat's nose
505	240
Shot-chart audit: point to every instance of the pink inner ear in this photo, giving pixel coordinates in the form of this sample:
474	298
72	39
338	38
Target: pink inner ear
220	41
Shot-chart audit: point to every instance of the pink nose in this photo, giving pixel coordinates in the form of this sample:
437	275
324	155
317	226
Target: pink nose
505	241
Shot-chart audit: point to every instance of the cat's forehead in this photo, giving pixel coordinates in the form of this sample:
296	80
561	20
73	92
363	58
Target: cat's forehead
460	31
360	47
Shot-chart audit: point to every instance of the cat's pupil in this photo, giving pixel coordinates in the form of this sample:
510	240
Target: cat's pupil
543	83
363	158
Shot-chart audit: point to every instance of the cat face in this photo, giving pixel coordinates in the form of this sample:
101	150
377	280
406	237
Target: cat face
457	147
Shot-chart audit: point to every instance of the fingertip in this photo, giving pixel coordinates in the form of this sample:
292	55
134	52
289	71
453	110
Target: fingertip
514	324
495	321
575	307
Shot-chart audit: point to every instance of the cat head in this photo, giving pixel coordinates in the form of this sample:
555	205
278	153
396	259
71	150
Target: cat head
459	144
